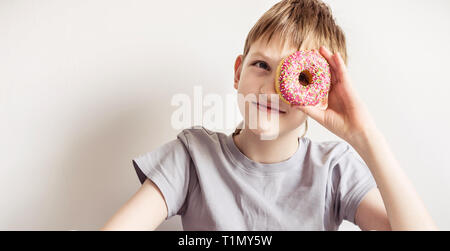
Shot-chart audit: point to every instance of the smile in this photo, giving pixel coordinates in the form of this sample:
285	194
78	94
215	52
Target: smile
267	108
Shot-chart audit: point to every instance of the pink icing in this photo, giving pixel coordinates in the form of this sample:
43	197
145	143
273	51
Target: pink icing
290	87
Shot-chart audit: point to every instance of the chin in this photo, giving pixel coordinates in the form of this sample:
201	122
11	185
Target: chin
266	132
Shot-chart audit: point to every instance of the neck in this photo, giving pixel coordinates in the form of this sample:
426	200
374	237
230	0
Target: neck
267	151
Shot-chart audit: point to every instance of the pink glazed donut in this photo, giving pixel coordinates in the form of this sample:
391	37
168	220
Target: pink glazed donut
303	78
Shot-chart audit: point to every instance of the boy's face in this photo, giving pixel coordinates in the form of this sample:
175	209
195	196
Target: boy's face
256	76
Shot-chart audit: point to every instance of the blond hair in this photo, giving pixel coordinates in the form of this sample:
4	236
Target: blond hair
297	21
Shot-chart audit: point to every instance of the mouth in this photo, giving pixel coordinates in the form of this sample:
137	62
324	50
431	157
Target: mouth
268	108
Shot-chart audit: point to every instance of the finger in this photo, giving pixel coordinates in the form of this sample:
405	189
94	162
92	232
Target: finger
328	56
341	68
349	92
333	77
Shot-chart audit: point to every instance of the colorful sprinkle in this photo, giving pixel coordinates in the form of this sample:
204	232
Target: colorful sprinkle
288	84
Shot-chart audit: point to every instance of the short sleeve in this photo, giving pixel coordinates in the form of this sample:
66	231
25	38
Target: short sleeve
168	167
352	180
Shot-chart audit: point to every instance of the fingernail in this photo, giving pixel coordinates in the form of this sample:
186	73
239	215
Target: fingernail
326	49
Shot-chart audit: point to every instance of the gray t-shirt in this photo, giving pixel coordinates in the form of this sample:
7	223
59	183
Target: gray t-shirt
207	180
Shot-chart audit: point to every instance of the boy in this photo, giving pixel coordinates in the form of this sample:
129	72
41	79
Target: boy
240	182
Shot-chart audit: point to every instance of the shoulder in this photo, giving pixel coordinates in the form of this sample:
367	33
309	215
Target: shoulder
331	152
200	136
345	168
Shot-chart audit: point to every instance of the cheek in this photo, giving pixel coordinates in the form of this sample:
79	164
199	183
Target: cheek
248	83
295	118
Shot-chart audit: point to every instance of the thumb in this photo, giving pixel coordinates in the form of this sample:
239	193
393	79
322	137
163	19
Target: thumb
316	113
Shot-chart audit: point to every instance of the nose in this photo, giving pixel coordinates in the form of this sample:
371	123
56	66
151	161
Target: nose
268	87
268	93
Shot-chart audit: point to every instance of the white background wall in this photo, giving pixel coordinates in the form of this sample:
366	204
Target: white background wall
85	86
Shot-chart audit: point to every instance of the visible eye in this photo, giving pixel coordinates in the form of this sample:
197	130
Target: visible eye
261	64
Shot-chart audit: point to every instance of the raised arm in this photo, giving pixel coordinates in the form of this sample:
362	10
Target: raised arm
347	117
146	210
404	207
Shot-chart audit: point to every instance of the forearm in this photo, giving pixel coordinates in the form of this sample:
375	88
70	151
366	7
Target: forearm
404	207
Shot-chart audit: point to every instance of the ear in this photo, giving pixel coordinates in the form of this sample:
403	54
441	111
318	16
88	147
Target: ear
237	71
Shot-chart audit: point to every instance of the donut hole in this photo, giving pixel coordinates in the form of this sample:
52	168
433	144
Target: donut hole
305	78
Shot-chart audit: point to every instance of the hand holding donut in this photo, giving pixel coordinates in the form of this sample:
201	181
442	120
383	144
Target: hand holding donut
346	114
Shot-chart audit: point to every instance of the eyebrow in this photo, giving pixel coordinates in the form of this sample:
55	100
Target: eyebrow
260	54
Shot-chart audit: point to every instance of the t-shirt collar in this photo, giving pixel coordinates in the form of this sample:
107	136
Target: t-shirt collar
252	166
